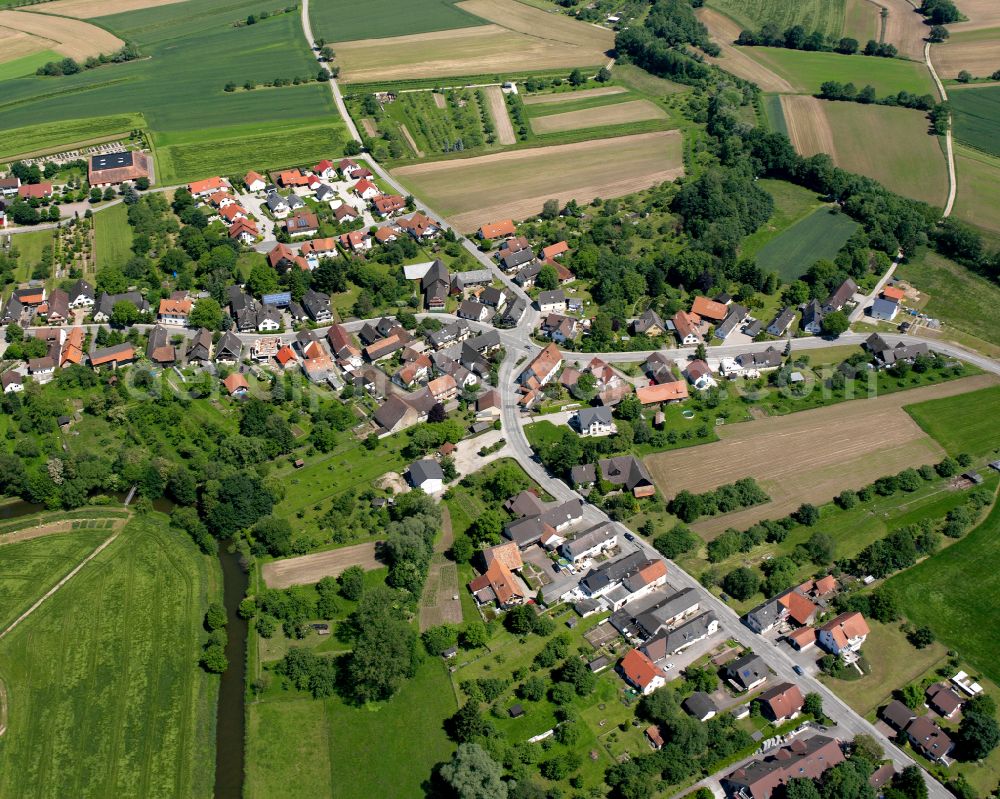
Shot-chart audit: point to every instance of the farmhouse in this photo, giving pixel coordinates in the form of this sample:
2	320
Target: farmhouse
498	582
687	326
801	759
118	355
159	349
81	295
174	312
112	169
705	308
436	286
542	369
674	391
530	528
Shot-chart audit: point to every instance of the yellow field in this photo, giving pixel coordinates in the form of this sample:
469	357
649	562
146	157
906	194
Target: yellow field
565	97
888	144
617	114
470	191
69	37
86	9
17	44
523	38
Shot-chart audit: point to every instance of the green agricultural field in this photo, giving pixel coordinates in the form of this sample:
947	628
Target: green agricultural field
345	21
791	205
774	114
301	747
194	51
30	568
978	198
958	297
806	71
963	423
33	138
26	65
977	117
113	235
819	235
105	695
827	16
954	593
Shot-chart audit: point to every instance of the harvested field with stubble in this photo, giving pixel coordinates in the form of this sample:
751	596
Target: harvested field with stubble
567	97
905	28
498	110
981	14
724	32
88	9
69	37
981	57
309	569
615	114
516	183
808	127
17	44
810	456
520	38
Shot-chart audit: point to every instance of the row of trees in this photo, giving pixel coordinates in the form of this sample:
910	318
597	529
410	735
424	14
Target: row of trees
796	38
70	66
744	493
834	90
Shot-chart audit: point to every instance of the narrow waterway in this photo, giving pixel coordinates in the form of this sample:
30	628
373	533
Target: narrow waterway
229	731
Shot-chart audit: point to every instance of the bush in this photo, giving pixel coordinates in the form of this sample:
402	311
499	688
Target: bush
741	583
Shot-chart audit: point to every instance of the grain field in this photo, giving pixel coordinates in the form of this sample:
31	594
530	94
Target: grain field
309	569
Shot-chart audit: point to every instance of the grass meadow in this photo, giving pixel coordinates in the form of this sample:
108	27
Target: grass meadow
30	568
959	297
113	235
978	198
26	64
343	20
105	695
791	204
193	50
963	423
807	70
977	117
819	235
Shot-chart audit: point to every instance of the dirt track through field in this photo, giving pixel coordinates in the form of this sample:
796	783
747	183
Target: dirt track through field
87	9
439	604
566	97
724	32
71	37
615	114
905	28
64	526
809	456
498	110
405	131
516	183
808	126
309	569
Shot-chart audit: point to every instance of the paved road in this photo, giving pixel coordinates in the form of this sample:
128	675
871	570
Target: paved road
948	140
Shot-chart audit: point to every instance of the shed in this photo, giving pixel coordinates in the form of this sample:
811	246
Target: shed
516	711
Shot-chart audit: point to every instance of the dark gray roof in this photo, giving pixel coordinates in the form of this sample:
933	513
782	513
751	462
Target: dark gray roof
531	528
556	295
781	322
492	296
275	201
614	572
813	312
768	359
514	311
107	302
229	346
595	536
841	295
747	670
426	469
81	289
512	260
585	473
438	273
200	346
626	470
119	160
648	320
737	313
316	303
649	617
699	705
485	341
587	416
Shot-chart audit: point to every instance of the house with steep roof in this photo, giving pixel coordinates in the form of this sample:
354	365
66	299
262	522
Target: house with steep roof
236	384
158	348
542	368
174	312
668	643
840	296
929	739
594	422
496	230
649	324
781	702
846	633
641	673
426	475
943	700
747	672
704	308
629	473
803	758
590	543
113	357
498	582
687	326
700	706
782	322
653	394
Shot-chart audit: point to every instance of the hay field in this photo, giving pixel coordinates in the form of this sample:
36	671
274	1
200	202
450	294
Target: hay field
69	37
809	456
16	44
88	9
734	59
522	38
616	114
309	569
889	144
566	97
976	51
807	71
978	198
516	183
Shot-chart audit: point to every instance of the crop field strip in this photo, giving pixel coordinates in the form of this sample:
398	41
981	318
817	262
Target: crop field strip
309	569
882	439
102	677
734	59
16	44
978	198
613	114
827	16
385	18
890	144
501	118
980	57
568	97
977	118
905	28
981	14
806	71
89	9
29	568
193	51
68	37
516	183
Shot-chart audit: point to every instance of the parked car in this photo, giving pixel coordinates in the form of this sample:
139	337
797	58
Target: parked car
798	670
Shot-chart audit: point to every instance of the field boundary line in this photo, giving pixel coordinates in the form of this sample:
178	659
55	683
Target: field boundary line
59	585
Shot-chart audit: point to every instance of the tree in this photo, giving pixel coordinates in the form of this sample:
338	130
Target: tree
439	638
834	324
124	314
273	535
677	541
577	78
14	333
206	313
741	583
550	209
548	278
384	652
821	548
813	705
215	617
468	723
473	774
532	689
964	76
474	635
938	34
978	732
807	514
921	637
866	747
519	620
910	783
801	788
214	659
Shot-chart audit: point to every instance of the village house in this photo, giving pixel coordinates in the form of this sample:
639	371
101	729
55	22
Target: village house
552	301
557	518
277	205
840	296
229	348
388	204
734	318
687	327
497	230
887	356
641	673
236	385
747	672
475	311
559	328
317	305
884	310
805	758
12	382
629	473
302	223
781	702
436	286
512	260
654	394
107	302
649	324
700	375
498	583
254	182
846	633
159	350
594	422
527	276
542	368
199	349
245	231
356	240
812	318
174	312
81	295
113	357
553	251
200	189
655	612
426	475
668	643
782	322
598	540
700	706
929	739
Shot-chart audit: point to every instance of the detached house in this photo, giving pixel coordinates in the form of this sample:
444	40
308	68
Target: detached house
498	583
840	297
846	633
687	327
254	182
174	312
81	295
629	473
317	305
649	324
641	673
302	223
782	702
277	205
542	369
497	230
552	301
595	421
782	322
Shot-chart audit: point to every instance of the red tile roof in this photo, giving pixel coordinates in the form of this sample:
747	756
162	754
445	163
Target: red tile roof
639	669
496	230
664	392
709	309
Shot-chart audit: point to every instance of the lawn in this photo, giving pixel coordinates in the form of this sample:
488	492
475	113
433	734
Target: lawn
30	568
895	662
113	234
106	698
791	205
806	71
29	247
516	183
976	114
301	747
964	423
978	198
193	51
819	235
958	297
955	591
342	20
